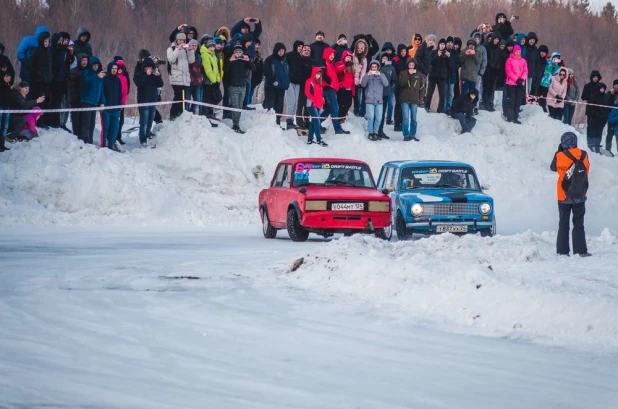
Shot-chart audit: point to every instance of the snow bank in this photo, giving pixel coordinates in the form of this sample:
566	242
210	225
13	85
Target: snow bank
199	175
508	286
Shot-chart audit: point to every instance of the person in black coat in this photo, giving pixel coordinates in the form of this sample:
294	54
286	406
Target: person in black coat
19	101
532	56
589	89
399	62
317	49
438	74
6	60
463	110
492	45
538	70
306	65
340	46
293	59
82	42
58	86
597	116
236	72
74	90
40	67
503	26
423	54
147	81
5	102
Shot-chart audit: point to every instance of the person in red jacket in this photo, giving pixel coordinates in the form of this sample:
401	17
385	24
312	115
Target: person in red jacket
315	102
347	90
516	69
331	86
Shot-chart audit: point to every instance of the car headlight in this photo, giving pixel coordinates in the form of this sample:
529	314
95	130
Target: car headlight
315	205
485	208
379	206
417	209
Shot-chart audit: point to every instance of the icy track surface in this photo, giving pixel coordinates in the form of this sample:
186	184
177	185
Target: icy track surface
94	318
199	175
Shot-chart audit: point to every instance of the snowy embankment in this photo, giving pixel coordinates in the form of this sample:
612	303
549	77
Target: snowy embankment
505	286
200	175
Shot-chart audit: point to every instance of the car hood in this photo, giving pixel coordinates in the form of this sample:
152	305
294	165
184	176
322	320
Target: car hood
445	196
343	193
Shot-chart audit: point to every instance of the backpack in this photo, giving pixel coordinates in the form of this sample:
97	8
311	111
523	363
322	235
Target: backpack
575	183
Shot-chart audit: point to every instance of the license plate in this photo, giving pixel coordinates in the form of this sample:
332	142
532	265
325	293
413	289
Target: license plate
452	229
348	206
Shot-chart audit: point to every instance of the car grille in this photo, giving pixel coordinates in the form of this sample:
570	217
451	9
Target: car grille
448	209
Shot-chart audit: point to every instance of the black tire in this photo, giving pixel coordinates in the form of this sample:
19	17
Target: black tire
295	230
384	233
400	227
267	229
491	232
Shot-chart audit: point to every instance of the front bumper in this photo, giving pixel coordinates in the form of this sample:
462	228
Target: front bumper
431	226
341	222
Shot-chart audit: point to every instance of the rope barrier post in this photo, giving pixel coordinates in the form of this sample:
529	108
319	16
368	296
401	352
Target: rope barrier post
183	100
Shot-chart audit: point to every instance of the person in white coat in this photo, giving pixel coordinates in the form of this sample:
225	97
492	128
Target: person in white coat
179	56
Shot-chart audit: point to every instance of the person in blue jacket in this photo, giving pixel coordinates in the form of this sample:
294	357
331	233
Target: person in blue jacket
148	81
25	48
277	78
91	96
244	27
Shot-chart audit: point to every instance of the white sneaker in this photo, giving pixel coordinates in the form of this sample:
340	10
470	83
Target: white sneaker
144	144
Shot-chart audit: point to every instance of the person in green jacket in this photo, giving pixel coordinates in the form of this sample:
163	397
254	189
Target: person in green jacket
552	66
212	79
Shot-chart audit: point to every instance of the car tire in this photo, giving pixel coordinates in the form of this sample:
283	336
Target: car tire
384	234
491	232
400	227
267	229
295	230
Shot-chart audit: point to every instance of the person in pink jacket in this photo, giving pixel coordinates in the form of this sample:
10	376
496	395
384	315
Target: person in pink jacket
125	84
516	69
360	69
556	94
29	131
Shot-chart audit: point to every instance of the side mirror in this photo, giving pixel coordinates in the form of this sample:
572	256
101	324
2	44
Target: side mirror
484	187
385	192
302	190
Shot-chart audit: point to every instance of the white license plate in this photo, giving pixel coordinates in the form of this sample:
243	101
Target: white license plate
348	206
452	229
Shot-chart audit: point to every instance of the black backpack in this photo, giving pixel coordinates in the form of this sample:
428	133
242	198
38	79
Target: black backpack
575	183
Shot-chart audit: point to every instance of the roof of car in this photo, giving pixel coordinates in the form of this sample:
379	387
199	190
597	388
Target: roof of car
293	160
426	163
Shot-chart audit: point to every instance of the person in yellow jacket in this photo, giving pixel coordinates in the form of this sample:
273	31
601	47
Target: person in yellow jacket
417	40
212	80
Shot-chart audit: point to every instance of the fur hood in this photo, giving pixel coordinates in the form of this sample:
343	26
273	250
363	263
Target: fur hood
366	50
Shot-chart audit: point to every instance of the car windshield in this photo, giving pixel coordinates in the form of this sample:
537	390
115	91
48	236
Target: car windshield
332	174
438	177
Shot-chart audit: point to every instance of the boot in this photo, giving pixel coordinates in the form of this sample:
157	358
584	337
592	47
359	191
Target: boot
119	140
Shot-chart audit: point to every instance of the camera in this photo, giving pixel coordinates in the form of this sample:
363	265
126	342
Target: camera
253	20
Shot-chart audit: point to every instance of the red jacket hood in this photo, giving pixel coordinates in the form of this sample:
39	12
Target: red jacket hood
314	71
327	52
345	54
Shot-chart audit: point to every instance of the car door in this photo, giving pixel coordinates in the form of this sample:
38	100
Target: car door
274	195
285	194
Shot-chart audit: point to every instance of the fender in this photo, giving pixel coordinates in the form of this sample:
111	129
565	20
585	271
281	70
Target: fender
263	207
296	207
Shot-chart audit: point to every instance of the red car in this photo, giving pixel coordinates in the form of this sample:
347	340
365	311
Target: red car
324	196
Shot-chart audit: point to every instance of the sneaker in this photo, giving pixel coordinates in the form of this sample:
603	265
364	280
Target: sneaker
322	129
382	135
372	137
397	128
116	148
343	132
586	254
120	141
322	143
407	139
238	130
389	122
491	109
248	108
415	139
476	111
516	121
310	142
145	145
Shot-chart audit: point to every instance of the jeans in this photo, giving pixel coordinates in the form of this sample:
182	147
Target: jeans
250	90
332	108
111	122
479	86
291	100
450	92
567	113
64	116
4	124
314	126
176	109
385	100
87	127
408	111
374	115
359	102
467	124
236	99
146	118
611	129
594	135
76	118
390	107
196	93
578	234
467	86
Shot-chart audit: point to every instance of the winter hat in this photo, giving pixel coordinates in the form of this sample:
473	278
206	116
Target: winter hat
374	62
387	55
595	73
615	83
544	49
510	42
557	55
218	40
431	37
502	43
450	39
457	41
257	41
147	63
24	84
71	43
193	41
211	43
476	34
517	48
442	41
239	47
500	15
181	36
247	37
568	140
470	42
341	36
320	33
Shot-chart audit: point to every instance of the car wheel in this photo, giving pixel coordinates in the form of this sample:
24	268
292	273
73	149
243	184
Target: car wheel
384	234
400	227
491	232
295	230
267	229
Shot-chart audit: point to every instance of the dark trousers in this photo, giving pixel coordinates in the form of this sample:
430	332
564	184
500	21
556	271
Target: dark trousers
76	119
344	98
16	122
398	114
611	129
467	124
57	90
555	113
543	101
515	94
120	125
384	104
38	89
302	111
331	108
176	109
441	84
489	86
578	234
278	96
88	121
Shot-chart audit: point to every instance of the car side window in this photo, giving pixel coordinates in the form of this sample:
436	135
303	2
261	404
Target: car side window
392	183
287	176
279	178
386	175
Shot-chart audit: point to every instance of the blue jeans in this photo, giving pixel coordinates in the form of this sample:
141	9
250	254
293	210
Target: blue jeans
332	108
314	126
111	123
196	93
466	124
249	90
567	113
146	118
391	106
408	126
4	123
450	92
359	102
374	116
467	86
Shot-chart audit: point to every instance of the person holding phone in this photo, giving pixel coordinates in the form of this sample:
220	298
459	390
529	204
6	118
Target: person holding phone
374	83
503	26
180	55
236	73
244	27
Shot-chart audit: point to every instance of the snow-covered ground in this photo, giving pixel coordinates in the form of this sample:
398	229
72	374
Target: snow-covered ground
91	314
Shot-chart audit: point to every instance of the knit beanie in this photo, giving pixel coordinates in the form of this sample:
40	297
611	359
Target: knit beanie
568	140
450	39
193	41
615	82
211	43
181	36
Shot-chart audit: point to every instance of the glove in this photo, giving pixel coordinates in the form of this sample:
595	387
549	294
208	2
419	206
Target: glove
520	82
559	98
275	83
349	64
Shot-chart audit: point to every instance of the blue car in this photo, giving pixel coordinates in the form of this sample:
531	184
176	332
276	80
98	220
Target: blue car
436	197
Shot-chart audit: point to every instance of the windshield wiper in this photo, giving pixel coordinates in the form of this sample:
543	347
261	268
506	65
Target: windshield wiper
340	182
447	185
